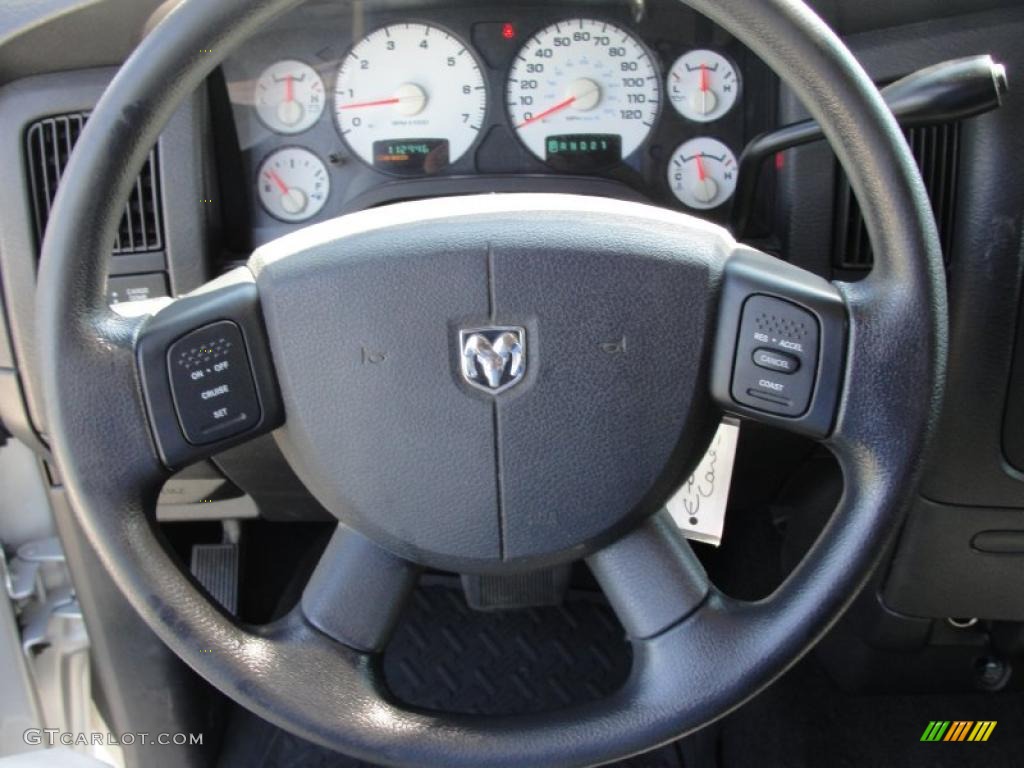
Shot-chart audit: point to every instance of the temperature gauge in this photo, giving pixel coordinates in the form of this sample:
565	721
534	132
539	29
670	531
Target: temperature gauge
702	173
289	96
703	85
293	184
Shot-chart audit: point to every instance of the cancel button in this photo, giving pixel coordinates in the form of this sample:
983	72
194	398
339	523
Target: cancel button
773	360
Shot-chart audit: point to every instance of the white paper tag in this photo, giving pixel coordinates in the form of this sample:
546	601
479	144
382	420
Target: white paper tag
699	506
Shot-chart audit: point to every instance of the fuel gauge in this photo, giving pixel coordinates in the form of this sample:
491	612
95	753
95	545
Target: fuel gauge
702	173
289	96
293	184
703	86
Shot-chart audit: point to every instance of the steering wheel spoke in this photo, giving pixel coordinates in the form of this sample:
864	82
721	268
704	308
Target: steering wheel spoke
206	371
357	592
780	348
651	577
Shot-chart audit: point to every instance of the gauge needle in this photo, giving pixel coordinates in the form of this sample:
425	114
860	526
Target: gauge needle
378	103
289	88
550	111
278	181
409	99
704	79
702	172
706	189
293	199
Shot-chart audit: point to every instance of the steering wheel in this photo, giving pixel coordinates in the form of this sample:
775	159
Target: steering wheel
440	375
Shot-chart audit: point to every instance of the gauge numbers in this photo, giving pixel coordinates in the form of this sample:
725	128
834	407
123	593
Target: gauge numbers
703	86
293	184
587	83
702	173
289	97
410	99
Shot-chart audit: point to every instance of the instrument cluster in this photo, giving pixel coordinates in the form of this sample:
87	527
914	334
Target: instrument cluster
335	109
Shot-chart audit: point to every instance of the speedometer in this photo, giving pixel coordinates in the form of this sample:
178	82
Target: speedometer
410	99
583	94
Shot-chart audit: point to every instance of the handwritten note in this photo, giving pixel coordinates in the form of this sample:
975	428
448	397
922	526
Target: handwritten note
699	506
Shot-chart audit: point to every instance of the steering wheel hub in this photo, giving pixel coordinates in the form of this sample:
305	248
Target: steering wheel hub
495	389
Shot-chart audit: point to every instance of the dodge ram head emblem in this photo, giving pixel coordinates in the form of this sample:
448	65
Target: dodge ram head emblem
493	359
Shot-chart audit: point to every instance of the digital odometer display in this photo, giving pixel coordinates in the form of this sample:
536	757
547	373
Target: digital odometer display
410	157
583	77
583	152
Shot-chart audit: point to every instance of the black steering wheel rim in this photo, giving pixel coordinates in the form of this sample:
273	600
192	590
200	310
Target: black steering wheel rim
688	670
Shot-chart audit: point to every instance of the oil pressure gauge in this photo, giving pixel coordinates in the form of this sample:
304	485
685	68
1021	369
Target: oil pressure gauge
702	173
703	86
293	184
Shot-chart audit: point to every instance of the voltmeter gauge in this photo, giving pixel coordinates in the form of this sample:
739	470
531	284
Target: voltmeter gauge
293	184
289	97
703	86
702	173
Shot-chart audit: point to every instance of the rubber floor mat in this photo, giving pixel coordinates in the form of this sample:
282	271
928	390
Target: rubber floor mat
446	657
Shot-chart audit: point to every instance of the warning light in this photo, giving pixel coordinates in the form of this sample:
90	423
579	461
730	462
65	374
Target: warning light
508	31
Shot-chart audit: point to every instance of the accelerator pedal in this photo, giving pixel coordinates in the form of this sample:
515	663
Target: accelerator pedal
215	566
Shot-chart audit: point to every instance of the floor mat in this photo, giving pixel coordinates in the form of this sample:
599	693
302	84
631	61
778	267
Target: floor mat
449	658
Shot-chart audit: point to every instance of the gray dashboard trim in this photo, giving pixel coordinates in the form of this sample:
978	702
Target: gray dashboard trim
34	34
182	160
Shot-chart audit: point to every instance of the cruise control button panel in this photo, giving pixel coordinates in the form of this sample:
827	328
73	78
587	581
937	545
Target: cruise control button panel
212	384
776	357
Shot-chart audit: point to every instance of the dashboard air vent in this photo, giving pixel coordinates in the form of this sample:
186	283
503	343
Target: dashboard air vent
48	145
936	148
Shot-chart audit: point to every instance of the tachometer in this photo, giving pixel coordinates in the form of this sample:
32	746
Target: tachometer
410	99
583	94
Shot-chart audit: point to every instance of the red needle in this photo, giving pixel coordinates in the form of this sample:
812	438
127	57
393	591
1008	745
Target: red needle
272	175
557	108
701	172
289	88
704	84
378	103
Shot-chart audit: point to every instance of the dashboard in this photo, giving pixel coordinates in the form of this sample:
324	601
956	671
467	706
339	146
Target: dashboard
338	108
